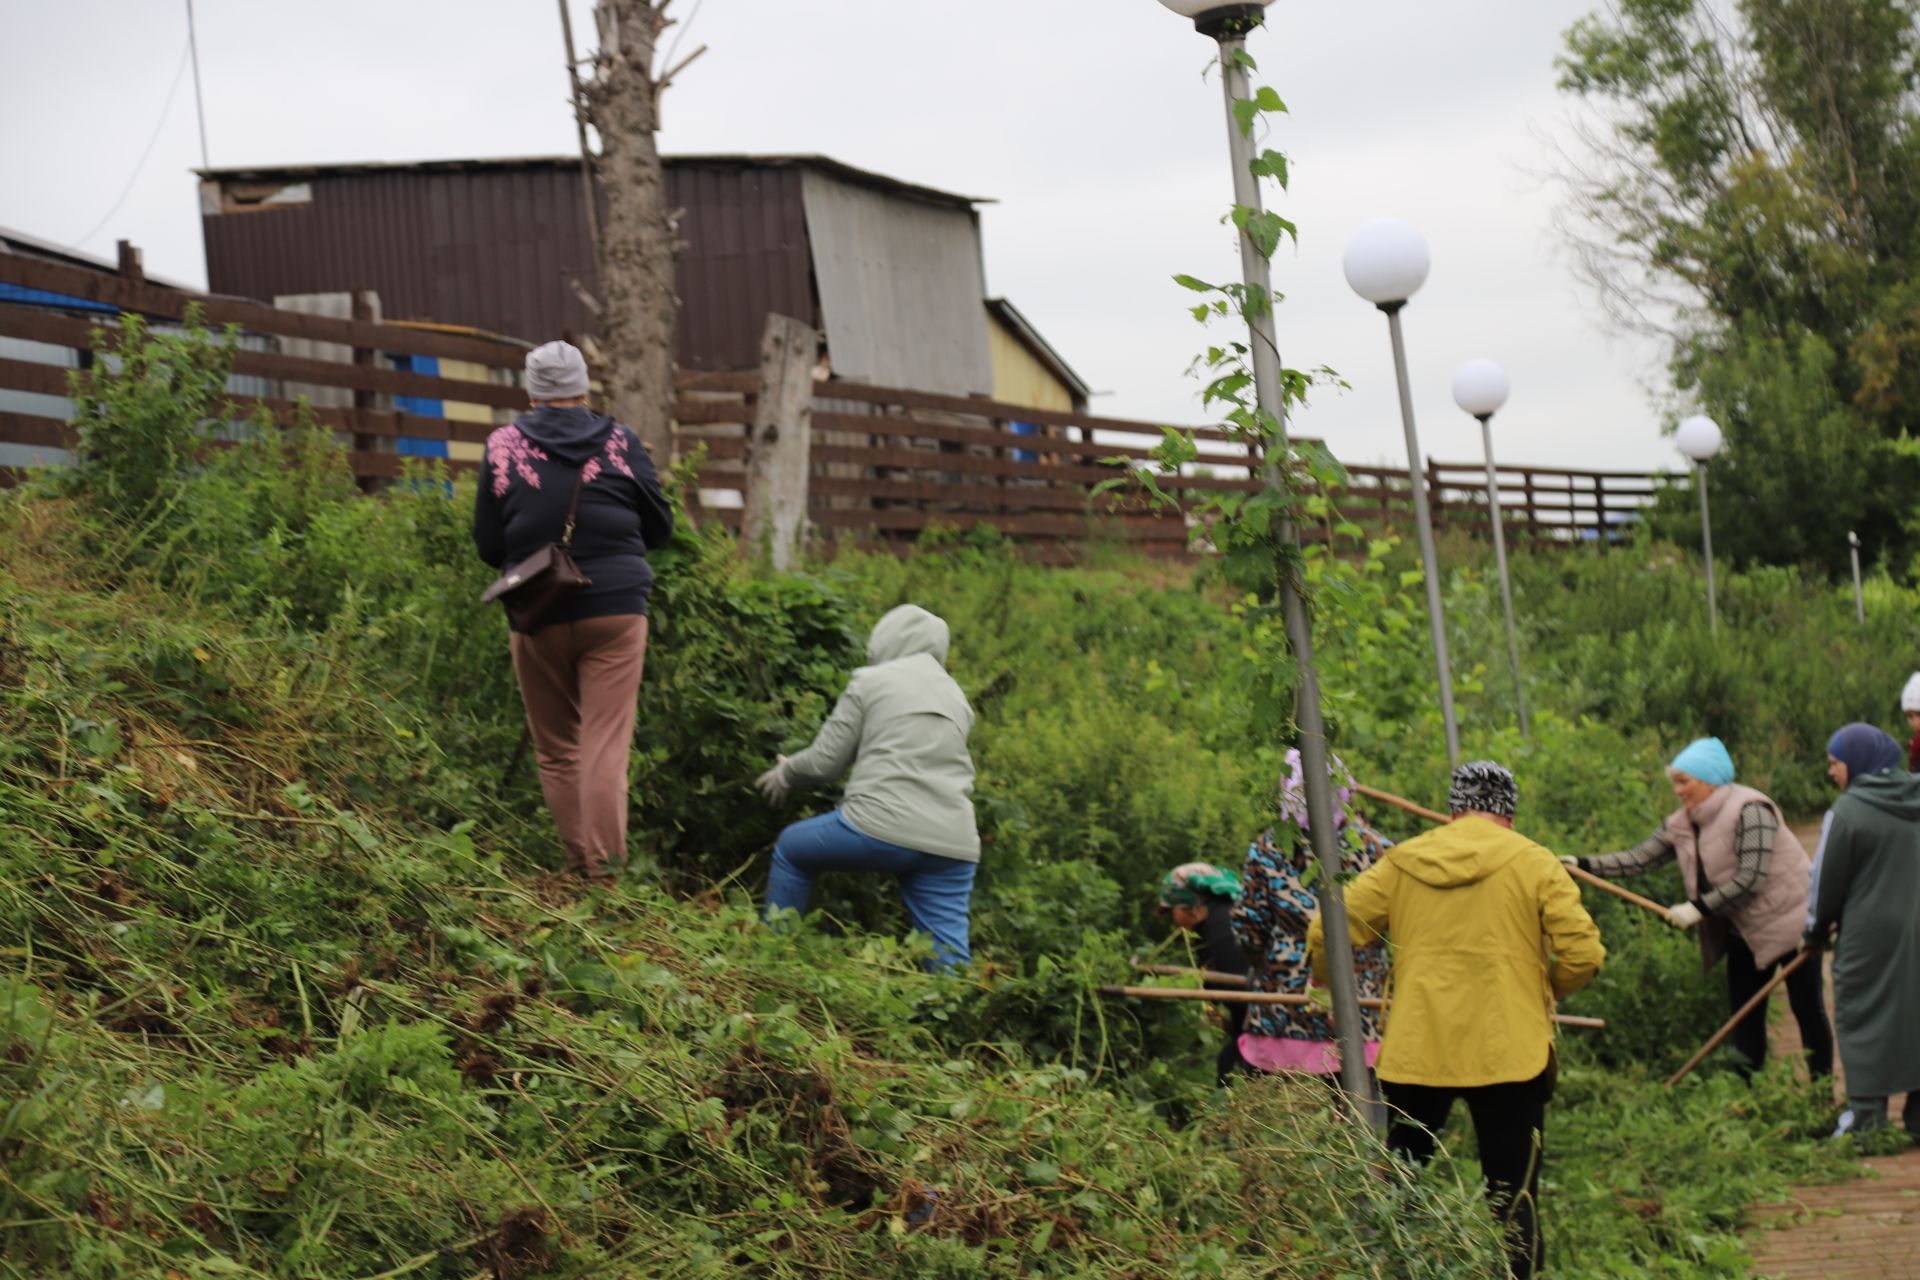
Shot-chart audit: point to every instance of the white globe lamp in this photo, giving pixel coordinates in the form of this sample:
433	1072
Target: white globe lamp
1386	261
1698	437
1481	387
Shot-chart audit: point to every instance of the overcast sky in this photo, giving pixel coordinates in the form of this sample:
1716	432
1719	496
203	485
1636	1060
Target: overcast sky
1088	121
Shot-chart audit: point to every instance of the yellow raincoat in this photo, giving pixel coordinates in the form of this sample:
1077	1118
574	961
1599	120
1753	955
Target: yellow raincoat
1487	932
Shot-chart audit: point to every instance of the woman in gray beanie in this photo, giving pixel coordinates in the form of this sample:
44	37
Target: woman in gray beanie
579	664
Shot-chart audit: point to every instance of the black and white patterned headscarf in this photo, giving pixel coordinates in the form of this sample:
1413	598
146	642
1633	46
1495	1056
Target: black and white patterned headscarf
1485	787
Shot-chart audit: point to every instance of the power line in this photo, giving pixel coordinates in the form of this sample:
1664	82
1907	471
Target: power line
158	125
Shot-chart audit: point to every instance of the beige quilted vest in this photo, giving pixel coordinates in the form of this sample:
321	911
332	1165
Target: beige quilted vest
1771	920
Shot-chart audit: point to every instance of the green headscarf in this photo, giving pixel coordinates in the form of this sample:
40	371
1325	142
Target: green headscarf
1191	883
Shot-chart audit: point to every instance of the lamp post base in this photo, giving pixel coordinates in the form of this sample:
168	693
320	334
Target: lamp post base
1229	21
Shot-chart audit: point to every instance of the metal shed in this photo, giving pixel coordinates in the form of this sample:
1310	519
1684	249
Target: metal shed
888	270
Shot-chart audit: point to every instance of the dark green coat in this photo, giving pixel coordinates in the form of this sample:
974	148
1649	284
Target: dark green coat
1870	887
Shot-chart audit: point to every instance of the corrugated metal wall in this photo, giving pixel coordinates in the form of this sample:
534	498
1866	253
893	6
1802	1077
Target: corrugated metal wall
746	235
495	247
901	285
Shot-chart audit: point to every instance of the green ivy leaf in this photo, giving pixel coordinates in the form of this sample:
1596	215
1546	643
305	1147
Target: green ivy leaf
1227	388
1265	228
1270	164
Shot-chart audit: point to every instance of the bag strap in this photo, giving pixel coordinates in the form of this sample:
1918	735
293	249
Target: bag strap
573	508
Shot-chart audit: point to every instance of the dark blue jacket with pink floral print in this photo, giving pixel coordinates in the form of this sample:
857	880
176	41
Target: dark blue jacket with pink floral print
526	484
1270	922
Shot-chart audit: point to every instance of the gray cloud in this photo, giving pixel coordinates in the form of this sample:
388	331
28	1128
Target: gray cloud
1088	120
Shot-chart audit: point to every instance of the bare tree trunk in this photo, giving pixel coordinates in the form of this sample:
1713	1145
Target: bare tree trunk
638	307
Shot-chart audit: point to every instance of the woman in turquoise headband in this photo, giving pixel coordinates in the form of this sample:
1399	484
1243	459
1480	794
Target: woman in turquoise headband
1746	878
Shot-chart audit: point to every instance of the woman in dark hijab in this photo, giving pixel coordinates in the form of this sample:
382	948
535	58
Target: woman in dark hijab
1868	888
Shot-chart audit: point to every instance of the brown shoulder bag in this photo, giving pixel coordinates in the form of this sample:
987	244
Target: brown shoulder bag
545	580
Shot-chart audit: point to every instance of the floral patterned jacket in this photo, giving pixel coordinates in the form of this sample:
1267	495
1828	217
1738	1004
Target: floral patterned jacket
1270	921
526	489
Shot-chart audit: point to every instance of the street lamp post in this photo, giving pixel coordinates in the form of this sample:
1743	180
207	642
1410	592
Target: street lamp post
1859	600
1699	438
1228	24
1386	262
1481	387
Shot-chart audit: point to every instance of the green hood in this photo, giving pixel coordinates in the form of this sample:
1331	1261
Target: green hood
1465	851
906	631
1895	793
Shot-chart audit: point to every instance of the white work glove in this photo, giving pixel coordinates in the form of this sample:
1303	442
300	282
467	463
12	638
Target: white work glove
1570	862
773	783
1683	915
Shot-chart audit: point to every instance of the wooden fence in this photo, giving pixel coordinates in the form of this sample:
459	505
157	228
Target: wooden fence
884	463
897	462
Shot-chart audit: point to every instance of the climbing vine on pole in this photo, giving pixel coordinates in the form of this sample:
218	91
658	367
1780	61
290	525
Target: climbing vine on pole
1252	530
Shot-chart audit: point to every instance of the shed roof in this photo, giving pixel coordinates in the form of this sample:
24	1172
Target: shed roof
818	163
20	242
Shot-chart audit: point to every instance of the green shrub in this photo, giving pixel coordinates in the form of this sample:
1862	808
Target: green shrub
145	414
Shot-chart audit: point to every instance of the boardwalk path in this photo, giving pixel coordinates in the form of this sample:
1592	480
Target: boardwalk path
1862	1230
1868	1229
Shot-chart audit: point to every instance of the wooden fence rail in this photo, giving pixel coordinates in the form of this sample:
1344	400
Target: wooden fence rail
884	463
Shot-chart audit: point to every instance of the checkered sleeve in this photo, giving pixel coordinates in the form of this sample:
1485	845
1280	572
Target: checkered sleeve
1655	851
1753	859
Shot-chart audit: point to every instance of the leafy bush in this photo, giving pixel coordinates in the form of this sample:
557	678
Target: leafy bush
145	413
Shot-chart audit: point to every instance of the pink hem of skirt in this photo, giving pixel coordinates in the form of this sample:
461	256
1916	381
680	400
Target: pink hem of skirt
1310	1057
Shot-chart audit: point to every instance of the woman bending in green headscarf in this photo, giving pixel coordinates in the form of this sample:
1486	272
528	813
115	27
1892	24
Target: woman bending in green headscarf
1200	897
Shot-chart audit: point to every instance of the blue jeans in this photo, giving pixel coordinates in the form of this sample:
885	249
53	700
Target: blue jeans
937	890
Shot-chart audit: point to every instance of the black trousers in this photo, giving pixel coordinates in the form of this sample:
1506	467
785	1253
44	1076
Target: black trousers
1805	994
1508	1123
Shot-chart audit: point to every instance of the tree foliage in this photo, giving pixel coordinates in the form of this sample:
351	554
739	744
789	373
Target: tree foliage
1752	176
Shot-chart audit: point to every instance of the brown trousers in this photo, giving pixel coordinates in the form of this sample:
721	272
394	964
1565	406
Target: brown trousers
580	682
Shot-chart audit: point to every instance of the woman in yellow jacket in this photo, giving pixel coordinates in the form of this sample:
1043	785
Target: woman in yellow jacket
1487	932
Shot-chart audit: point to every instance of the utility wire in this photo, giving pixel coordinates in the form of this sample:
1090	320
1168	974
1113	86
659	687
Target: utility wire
158	126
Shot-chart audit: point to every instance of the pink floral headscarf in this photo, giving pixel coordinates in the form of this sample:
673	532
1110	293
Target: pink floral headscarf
1293	795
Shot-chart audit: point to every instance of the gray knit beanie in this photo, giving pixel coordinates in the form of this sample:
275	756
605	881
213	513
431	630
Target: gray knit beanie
1485	787
556	371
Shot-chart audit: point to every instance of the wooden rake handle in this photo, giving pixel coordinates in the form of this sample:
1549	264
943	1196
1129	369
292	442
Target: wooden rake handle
1401	802
1601	882
1268	997
1745	1009
1181	971
1598	882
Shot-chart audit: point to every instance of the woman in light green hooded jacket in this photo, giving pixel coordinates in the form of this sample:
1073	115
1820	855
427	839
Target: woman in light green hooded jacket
907	810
